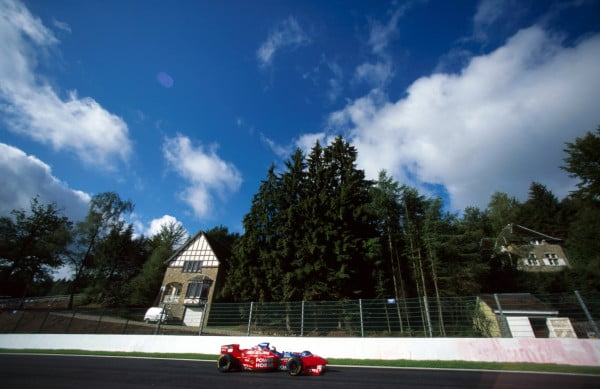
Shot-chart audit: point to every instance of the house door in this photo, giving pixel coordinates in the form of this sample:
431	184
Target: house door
193	316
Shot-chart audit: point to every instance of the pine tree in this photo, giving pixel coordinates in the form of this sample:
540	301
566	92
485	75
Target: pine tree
254	270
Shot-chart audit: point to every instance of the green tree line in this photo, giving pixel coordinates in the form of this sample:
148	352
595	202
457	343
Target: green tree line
111	266
317	229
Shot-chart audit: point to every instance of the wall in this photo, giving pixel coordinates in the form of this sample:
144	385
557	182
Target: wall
584	352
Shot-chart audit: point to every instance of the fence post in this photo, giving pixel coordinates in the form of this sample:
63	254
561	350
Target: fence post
504	328
587	313
126	324
204	313
362	330
387	317
250	318
302	320
400	314
69	323
157	328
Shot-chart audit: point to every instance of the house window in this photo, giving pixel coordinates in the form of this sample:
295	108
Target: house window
171	293
532	260
552	259
192	267
198	289
536	242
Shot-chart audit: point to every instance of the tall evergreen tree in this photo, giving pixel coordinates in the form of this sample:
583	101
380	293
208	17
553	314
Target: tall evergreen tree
502	210
583	162
352	226
541	211
250	275
386	208
308	234
469	254
316	227
291	222
411	219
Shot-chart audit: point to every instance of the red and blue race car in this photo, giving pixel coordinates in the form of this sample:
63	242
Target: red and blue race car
264	358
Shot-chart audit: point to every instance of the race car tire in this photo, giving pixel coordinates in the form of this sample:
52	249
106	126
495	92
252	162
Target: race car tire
225	363
294	366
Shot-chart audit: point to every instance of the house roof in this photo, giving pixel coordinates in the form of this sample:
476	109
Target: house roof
516	229
220	251
515	302
533	234
514	233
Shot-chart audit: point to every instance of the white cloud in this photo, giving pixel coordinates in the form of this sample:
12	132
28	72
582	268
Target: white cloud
205	172
328	72
488	12
496	17
157	224
154	226
498	125
307	141
279	150
379	72
287	33
381	34
304	142
24	177
31	107
376	74
335	83
62	26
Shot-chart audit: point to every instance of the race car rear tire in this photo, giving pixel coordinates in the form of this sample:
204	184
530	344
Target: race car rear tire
294	366
225	363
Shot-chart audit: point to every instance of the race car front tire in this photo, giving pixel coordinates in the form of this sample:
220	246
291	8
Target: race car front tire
225	363
294	366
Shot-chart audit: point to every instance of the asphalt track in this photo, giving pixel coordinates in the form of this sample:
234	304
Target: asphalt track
59	371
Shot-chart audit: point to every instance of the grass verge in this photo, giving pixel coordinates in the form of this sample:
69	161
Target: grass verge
527	367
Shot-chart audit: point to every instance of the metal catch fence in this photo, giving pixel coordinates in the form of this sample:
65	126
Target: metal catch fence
407	317
500	315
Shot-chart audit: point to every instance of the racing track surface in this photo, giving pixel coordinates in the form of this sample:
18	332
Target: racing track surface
59	371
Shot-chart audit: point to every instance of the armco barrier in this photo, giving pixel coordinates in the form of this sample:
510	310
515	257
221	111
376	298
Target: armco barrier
582	352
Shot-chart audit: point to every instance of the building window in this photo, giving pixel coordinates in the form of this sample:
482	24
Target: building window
532	260
552	259
192	267
171	293
535	242
198	289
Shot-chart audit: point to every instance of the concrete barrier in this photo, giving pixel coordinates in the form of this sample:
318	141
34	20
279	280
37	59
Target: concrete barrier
583	352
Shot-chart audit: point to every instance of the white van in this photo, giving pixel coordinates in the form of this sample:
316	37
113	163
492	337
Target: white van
153	314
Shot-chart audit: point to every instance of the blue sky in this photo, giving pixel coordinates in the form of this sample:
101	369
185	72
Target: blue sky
181	106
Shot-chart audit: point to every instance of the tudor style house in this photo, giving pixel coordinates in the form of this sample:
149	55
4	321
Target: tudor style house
191	279
530	250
